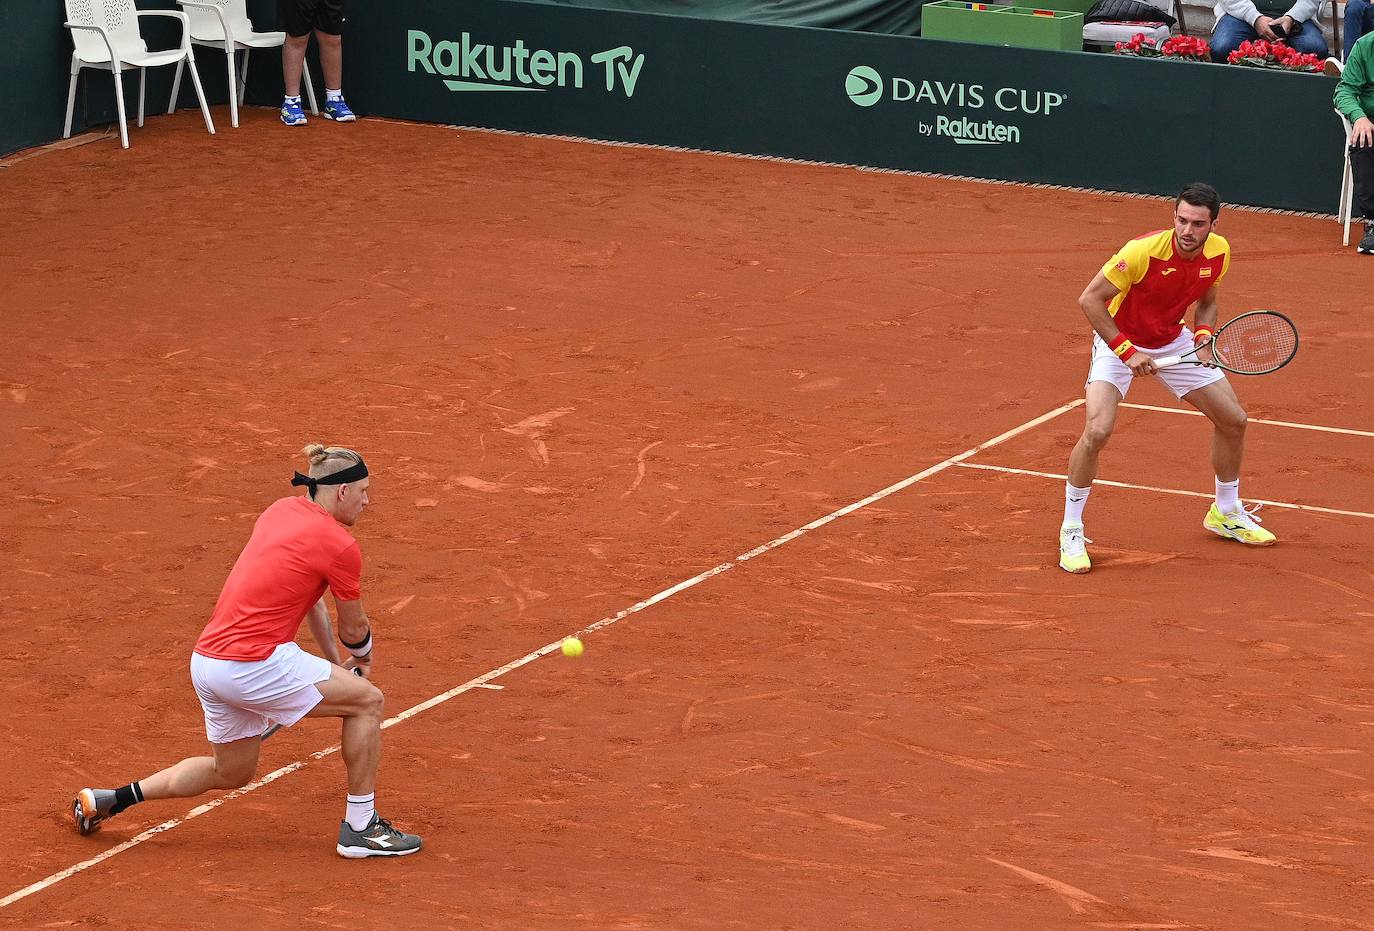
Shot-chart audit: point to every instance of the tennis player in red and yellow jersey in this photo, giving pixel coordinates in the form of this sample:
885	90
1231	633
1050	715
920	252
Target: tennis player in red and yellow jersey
1137	305
249	673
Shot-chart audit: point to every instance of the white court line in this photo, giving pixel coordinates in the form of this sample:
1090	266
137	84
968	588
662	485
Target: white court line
482	682
1165	491
1272	423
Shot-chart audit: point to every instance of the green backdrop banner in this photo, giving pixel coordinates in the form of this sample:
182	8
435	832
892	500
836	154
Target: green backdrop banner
890	17
1072	118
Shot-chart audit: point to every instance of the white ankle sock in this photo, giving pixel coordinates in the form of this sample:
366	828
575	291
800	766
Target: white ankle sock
1075	499
1228	496
333	95
295	99
360	811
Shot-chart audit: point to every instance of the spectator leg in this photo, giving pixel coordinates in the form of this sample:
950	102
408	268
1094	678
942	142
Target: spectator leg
1309	39
1228	35
1362	166
1359	19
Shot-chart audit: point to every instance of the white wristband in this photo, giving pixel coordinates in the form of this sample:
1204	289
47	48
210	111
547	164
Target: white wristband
362	649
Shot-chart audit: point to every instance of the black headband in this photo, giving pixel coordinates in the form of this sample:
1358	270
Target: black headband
353	473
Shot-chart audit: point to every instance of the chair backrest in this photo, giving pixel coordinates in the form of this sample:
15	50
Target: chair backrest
115	16
205	24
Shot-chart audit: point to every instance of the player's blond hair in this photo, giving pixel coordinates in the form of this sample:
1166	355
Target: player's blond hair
326	460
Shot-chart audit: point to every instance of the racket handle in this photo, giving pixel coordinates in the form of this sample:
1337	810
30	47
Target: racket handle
1163	362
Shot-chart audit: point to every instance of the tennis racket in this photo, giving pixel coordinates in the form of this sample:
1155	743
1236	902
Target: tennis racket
1255	343
276	727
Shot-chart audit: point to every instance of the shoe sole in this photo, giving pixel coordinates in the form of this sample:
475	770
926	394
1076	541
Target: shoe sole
83	810
1226	535
294	122
360	853
339	119
1081	571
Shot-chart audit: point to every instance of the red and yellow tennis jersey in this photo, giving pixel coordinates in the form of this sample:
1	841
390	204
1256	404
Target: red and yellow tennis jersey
297	550
1157	286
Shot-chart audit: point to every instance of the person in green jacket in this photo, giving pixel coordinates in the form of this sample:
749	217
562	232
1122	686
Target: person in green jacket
1354	97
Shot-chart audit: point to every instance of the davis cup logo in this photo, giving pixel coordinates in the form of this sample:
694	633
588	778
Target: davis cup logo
864	86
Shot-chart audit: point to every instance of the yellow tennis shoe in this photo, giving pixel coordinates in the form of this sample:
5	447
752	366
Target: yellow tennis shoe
1073	552
1242	525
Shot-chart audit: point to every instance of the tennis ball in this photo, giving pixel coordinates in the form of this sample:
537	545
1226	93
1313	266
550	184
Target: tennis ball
572	646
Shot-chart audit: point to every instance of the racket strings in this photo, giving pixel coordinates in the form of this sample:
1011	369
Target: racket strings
1256	343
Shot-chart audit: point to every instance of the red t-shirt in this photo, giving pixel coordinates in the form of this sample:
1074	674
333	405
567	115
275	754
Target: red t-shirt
297	550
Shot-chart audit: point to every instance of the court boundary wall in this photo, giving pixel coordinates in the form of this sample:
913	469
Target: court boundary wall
1074	119
1068	119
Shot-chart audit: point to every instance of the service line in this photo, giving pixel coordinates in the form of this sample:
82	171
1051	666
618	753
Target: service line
1164	491
484	681
1272	423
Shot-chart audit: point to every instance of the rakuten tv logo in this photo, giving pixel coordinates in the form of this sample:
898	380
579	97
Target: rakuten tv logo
864	86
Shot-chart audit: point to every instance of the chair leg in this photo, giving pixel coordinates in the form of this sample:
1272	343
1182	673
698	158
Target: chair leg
71	97
1347	197
310	88
119	104
176	89
200	92
243	76
233	91
142	92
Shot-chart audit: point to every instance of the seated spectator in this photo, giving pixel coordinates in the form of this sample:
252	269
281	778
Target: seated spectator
1295	24
1359	19
1354	97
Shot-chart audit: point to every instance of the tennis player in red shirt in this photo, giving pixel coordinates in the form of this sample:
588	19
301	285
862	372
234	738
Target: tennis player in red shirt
1137	305
249	673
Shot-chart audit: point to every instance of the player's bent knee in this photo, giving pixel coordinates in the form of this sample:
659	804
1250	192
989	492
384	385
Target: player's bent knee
1233	422
374	702
1096	435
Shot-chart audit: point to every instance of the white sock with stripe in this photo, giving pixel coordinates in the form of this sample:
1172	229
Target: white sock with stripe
361	808
1228	496
1075	500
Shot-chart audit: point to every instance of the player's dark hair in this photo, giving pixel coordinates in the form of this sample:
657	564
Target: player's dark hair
1200	194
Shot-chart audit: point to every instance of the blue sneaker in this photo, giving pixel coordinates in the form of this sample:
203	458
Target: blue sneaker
292	114
338	111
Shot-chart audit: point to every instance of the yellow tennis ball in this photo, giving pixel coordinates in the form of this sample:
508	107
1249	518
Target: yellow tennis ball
572	646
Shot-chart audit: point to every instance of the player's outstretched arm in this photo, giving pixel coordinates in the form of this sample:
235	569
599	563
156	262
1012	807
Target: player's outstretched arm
355	632
1093	301
322	629
1205	323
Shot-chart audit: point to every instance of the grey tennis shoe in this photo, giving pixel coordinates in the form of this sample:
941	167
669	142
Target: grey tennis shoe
90	808
378	839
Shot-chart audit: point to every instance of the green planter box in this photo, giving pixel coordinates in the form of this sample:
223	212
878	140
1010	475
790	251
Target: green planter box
1026	27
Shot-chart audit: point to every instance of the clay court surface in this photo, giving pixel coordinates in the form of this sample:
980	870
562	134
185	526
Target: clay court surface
583	374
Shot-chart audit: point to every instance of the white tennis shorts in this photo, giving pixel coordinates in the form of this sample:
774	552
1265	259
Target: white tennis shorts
240	699
1180	379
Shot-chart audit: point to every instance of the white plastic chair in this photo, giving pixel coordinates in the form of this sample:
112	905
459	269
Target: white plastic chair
1346	205
105	35
1347	201
224	24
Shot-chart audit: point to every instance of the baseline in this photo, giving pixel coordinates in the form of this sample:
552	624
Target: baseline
483	681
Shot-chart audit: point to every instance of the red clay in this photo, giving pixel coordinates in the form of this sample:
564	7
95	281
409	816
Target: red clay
584	373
